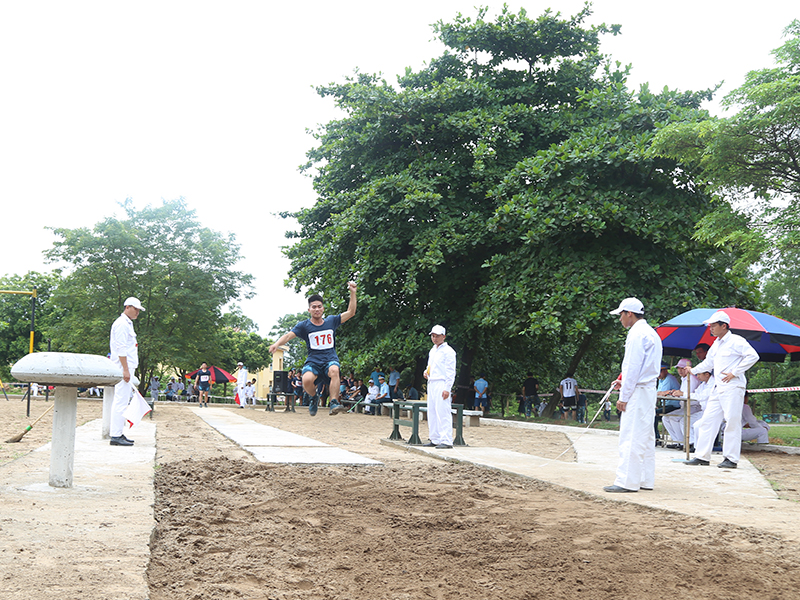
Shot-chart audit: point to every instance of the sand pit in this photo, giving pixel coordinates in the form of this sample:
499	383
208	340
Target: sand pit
416	527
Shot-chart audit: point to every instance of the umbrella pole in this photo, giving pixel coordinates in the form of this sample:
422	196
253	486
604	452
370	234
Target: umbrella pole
687	409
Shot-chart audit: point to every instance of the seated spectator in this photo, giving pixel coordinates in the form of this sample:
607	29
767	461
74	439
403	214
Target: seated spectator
675	421
753	429
372	395
384	393
666	383
412	393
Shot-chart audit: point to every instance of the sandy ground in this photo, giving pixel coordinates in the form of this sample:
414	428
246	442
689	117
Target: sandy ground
416	527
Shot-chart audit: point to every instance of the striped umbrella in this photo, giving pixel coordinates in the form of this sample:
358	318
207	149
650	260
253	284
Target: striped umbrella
772	337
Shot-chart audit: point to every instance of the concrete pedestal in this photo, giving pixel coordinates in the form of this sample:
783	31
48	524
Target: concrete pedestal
108	401
62	452
67	372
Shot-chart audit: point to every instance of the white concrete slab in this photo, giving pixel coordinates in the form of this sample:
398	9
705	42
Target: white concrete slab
272	445
308	455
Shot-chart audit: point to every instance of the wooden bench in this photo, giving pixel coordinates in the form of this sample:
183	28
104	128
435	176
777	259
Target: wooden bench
420	407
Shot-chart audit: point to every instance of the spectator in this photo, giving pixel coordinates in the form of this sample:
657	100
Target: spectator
568	388
753	429
376	373
530	393
372	395
665	384
154	388
607	410
412	393
384	394
171	389
581	408
481	388
394	384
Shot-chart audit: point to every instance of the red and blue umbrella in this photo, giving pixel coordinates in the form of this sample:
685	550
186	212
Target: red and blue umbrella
217	375
772	337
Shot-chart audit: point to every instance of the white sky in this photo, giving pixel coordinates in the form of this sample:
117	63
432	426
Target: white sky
101	101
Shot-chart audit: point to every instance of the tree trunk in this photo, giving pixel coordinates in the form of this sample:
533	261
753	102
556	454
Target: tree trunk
580	353
419	369
463	388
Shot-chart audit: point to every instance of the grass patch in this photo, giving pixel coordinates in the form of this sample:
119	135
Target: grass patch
785	435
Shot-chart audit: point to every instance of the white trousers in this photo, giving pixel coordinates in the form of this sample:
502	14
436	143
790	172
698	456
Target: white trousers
759	434
637	441
725	403
123	392
675	423
440	419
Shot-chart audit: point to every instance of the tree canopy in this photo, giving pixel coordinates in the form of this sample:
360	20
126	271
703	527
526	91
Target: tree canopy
504	191
753	154
179	270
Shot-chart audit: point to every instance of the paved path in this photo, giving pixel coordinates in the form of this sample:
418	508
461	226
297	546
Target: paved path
740	496
271	445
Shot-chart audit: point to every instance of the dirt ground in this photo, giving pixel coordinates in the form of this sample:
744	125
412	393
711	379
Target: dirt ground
229	527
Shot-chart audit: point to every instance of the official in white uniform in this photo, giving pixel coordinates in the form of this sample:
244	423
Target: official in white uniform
441	374
241	382
124	352
729	357
637	401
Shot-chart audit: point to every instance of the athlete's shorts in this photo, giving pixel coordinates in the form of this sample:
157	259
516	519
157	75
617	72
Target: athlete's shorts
318	368
203	387
570	402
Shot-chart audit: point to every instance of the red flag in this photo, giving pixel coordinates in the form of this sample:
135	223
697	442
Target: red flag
237	397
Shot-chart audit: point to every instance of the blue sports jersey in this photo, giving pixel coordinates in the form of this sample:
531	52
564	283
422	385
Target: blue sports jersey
320	339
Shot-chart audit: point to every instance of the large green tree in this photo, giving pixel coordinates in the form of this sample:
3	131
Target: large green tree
180	271
504	192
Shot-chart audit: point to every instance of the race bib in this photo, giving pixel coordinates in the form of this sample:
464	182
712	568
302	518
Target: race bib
204	378
321	340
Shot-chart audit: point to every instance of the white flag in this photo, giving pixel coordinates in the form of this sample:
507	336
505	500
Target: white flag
137	409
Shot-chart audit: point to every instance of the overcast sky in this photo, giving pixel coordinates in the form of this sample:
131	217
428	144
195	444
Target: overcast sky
103	101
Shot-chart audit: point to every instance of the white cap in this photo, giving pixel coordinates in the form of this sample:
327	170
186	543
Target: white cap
684	362
717	317
240	364
631	305
134	302
438	330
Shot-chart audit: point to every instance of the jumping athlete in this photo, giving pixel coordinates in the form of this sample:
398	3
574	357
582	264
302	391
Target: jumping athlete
319	334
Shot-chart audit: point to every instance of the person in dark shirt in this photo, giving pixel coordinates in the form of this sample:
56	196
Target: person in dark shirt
530	393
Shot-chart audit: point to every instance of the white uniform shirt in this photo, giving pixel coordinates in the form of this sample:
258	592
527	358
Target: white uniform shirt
442	364
241	377
729	354
123	342
642	362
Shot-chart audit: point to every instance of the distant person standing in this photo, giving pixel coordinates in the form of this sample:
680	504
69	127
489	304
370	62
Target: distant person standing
481	388
241	383
125	353
395	392
637	401
568	388
530	393
728	358
441	374
154	388
203	384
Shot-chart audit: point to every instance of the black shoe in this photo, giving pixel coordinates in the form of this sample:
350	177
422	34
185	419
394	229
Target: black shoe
443	447
615	489
120	441
644	488
697	462
727	464
125	438
429	445
313	405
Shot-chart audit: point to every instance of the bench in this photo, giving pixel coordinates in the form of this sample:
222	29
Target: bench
416	407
